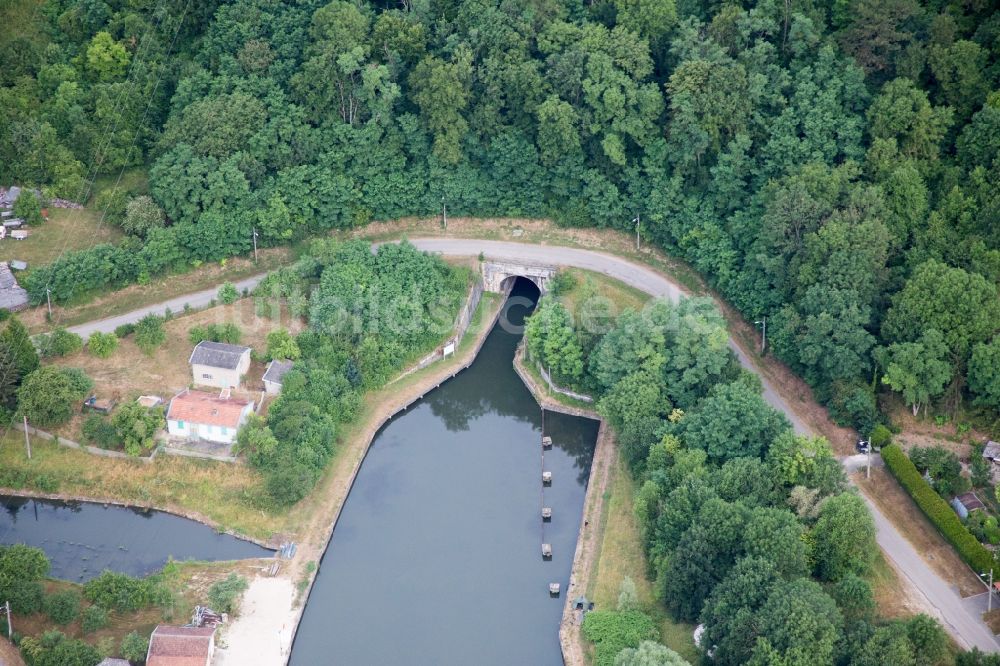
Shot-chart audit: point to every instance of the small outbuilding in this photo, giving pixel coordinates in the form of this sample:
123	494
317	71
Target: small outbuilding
181	646
9	196
13	297
111	661
966	503
276	371
219	364
992	452
207	416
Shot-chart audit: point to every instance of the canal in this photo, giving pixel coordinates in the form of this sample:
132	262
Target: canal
81	539
436	557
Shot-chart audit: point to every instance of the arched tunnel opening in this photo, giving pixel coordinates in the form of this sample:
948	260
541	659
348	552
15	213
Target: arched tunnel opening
521	301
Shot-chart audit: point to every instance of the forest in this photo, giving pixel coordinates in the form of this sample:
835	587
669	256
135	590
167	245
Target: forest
828	164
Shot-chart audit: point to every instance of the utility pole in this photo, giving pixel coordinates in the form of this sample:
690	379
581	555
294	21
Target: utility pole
636	220
762	322
27	440
444	213
48	297
868	458
989	599
10	629
255	245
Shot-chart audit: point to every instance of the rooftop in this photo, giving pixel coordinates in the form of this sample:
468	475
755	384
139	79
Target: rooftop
970	501
276	370
179	646
217	354
12	295
206	408
111	661
992	450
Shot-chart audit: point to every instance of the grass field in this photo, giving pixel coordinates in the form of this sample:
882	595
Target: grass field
66	230
621	555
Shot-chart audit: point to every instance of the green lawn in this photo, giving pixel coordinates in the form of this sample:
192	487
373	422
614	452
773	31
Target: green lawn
621	555
65	230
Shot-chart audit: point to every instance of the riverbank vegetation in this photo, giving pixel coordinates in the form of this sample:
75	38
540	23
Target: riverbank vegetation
593	116
57	623
748	528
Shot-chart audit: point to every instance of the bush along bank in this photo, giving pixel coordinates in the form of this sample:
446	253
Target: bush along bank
937	510
369	315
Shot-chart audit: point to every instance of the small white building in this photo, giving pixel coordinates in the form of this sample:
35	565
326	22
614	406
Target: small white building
207	416
276	371
219	364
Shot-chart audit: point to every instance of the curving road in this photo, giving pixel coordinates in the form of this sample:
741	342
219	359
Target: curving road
965	626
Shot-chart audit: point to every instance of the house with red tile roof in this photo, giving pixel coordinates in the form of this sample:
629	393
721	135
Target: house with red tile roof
214	417
180	646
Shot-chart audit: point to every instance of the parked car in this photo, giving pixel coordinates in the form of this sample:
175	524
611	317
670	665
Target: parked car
863	446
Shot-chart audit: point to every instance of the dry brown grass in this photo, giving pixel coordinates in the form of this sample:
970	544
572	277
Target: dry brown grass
220	494
129	372
904	514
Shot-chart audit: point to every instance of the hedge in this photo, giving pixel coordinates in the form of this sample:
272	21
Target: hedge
937	510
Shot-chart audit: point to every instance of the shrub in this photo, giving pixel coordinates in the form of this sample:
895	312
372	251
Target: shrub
124	331
102	345
229	332
135	426
93	618
613	631
117	591
281	345
228	293
49	395
562	283
59	342
53	648
62	607
937	510
25	596
223	593
881	436
98	431
149	333
134	646
142	215
29	208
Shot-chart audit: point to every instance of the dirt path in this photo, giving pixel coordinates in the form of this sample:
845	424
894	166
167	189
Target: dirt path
9	656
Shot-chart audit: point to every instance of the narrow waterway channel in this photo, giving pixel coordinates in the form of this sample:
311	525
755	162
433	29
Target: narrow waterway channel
437	555
82	539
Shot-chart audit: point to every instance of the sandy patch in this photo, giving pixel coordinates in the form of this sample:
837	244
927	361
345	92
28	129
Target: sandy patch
262	634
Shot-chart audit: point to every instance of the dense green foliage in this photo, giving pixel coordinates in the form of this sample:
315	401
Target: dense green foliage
223	593
937	510
120	592
54	648
831	164
49	396
228	332
613	631
21	570
62	607
134	646
136	426
370	314
59	342
102	345
149	333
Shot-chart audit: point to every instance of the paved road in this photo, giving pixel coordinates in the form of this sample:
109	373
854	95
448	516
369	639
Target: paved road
197	300
967	629
965	626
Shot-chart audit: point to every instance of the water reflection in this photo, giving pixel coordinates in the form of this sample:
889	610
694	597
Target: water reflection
436	557
82	539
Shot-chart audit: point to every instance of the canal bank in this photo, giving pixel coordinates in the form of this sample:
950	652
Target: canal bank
439	543
263	632
588	542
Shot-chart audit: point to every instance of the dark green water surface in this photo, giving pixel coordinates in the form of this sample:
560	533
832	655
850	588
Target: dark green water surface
436	557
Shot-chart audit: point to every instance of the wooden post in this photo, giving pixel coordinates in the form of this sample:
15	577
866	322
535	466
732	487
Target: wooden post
10	629
27	440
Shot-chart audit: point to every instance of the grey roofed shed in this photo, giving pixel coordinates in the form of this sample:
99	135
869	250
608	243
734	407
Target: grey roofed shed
276	370
992	451
111	661
13	297
217	354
